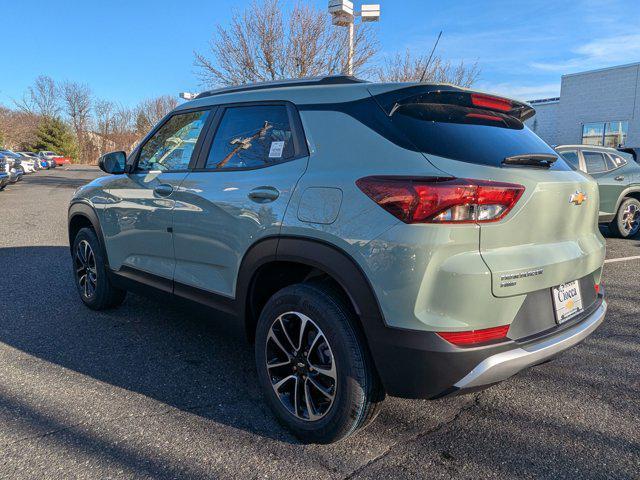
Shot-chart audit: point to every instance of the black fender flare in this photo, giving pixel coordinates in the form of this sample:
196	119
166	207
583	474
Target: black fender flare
82	208
327	258
314	253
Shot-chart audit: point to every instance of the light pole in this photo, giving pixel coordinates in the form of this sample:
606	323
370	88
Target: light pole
343	15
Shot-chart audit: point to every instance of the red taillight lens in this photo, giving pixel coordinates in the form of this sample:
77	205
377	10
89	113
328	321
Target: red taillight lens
456	200
490	102
475	337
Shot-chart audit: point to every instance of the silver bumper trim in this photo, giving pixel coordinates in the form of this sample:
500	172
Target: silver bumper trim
503	365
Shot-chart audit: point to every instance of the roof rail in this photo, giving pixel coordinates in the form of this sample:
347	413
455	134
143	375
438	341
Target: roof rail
296	82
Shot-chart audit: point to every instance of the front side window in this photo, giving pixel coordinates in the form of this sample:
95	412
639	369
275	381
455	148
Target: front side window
595	162
171	147
252	136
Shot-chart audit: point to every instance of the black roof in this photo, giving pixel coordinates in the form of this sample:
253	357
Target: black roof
296	82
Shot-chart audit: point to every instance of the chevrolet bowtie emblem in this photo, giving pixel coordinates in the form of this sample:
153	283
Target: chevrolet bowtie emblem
577	198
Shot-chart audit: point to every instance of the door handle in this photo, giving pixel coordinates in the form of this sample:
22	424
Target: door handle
619	178
264	194
163	190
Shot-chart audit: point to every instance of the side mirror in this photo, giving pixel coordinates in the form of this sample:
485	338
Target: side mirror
113	162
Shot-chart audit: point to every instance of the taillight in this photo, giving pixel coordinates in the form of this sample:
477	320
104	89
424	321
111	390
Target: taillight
475	337
492	103
450	200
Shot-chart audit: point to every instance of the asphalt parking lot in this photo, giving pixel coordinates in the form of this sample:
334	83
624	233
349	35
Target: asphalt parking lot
158	390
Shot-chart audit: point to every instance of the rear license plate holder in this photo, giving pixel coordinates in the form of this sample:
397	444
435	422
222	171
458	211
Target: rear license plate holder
567	301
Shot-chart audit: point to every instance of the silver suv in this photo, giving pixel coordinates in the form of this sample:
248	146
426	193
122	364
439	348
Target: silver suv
414	240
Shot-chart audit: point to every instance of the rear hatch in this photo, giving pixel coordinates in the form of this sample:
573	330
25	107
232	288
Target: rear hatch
550	236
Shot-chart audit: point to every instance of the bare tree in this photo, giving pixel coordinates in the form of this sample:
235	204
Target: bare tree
267	42
410	68
42	98
104	112
76	99
18	128
124	133
151	111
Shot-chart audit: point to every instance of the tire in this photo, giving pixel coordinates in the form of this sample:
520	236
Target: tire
352	396
626	224
90	273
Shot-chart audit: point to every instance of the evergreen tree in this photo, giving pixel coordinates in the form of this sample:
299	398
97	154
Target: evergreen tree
55	135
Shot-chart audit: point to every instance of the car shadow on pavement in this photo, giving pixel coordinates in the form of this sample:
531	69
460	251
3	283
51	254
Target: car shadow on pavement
189	358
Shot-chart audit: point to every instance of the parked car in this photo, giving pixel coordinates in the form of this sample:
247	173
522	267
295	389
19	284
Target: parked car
4	176
61	161
38	162
413	240
49	157
27	164
19	162
12	168
618	177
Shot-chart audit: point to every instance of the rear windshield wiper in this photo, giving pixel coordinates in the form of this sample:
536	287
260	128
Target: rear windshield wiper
539	160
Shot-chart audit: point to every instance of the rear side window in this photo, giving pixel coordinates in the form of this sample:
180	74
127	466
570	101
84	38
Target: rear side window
468	134
252	136
595	162
571	156
618	160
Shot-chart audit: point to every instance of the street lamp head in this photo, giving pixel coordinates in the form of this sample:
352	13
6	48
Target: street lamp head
370	13
341	12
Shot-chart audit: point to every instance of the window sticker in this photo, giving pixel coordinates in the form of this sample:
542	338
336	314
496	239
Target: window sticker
276	149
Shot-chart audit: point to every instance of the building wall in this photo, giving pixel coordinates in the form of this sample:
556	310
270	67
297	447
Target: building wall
599	96
545	122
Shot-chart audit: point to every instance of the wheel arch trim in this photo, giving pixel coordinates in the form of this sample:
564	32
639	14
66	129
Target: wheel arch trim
82	208
315	253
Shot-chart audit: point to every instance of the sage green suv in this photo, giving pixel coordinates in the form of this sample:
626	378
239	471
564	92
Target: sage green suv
618	177
414	240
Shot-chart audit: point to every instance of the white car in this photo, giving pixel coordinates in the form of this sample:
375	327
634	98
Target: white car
32	157
28	164
19	161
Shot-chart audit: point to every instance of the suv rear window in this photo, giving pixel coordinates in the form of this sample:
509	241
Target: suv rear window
468	134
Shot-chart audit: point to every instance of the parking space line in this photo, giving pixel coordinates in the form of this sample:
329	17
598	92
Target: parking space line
622	259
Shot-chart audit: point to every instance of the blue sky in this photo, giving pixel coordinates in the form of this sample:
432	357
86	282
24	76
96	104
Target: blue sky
130	50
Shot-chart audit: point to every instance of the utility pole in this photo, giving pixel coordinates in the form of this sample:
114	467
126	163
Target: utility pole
343	15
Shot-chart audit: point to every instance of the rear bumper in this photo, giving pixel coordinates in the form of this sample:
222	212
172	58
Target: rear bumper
422	365
503	365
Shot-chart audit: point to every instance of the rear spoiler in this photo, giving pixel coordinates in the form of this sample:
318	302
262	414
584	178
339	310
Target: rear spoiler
458	97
